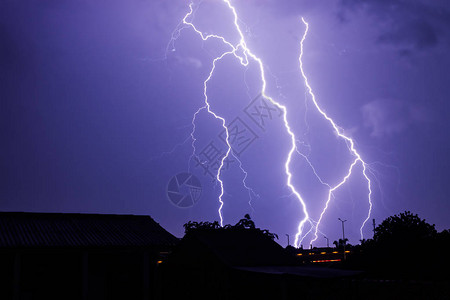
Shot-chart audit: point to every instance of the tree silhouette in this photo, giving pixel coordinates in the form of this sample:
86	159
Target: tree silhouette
401	247
404	229
341	243
244	224
190	226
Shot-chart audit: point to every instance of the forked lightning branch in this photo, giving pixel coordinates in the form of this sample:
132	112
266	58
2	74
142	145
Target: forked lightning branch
244	55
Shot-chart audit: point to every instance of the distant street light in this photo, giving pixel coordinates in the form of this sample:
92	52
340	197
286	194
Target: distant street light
343	233
328	241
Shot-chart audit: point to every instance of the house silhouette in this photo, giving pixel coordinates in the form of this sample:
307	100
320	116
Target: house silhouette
80	256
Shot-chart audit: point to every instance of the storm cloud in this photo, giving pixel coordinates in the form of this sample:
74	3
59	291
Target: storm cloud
389	117
408	25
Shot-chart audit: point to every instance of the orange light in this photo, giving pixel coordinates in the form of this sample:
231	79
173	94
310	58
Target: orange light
323	253
159	261
347	251
310	253
326	260
299	254
335	252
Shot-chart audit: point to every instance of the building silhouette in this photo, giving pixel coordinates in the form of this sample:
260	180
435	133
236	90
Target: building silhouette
80	256
241	264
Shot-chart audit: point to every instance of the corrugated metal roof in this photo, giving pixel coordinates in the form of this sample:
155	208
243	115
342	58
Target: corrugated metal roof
18	229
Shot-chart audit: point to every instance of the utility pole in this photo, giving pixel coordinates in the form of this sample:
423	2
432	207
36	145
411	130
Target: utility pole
343	234
373	223
288	238
328	241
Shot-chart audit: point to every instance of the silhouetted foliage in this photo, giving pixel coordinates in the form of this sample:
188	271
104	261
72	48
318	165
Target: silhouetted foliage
404	245
341	243
244	224
405	228
202	225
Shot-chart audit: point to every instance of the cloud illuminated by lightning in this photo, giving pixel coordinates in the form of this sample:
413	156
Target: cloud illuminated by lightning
242	52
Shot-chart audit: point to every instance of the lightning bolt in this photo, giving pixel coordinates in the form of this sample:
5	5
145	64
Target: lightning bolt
293	148
243	57
244	61
243	53
350	144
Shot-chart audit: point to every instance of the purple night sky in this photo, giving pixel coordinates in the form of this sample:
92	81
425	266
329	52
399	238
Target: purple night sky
97	103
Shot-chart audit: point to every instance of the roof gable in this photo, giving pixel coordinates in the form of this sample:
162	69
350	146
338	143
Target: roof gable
18	229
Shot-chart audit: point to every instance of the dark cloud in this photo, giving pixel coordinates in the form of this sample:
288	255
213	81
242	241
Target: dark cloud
418	34
408	25
390	117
